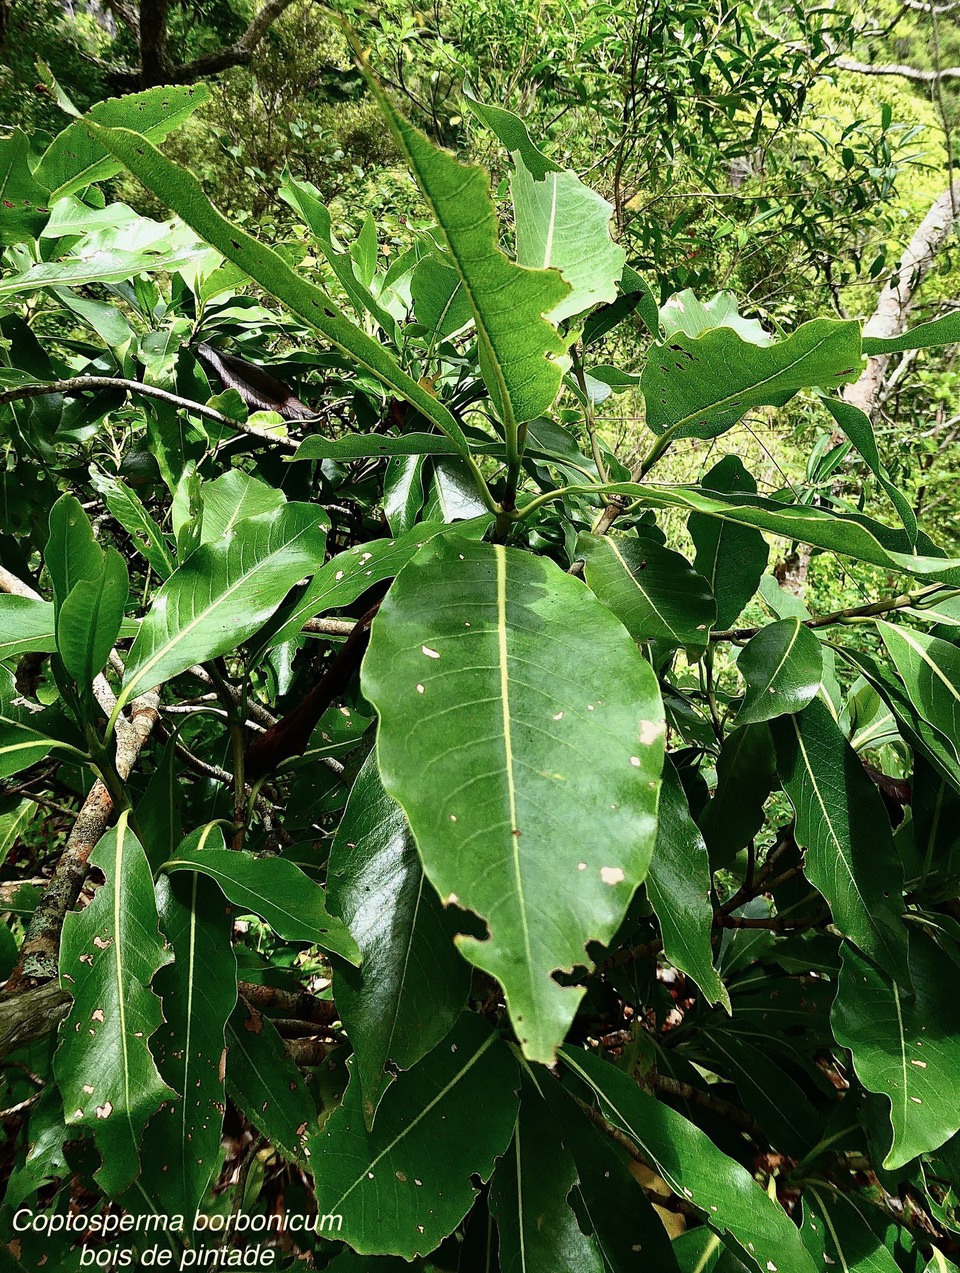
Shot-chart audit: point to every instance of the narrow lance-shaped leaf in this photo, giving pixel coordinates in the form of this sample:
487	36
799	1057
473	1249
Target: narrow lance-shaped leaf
411	984
522	733
695	1169
930	669
782	667
127	507
90	620
402	1187
700	386
837	1232
906	1047
539	1232
224	593
109	954
856	425
746	774
181	191
520	351
654	592
273	888
843	828
199	991
678	884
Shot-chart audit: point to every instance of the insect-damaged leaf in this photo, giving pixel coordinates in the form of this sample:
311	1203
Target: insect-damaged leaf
411	983
522	733
402	1187
109	954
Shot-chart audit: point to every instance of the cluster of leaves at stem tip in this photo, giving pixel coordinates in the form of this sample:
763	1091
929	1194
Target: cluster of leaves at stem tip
462	874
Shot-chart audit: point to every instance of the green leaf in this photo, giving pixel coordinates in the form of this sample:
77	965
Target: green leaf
856	425
24	201
344	578
522	733
930	671
906	1047
539	1232
782	666
678	884
266	1085
402	1187
938	331
411	984
74	159
695	1169
20	744
850	534
109	954
837	1232
127	507
26	626
520	351
512	133
731	558
700	387
563	224
684	314
232	498
654	592
362	446
223	593
199	991
273	888
746	775
72	555
843	828
439	300
181	191
15	816
90	620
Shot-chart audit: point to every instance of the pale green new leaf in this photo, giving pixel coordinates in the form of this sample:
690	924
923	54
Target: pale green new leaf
90	619
678	885
843	828
684	313
782	666
402	1187
223	593
520	351
695	1169
522	733
906	1047
654	592
109	954
273	888
74	159
562	224
698	387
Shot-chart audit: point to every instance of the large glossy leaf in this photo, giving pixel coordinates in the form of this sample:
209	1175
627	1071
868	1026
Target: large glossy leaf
850	534
90	619
563	224
843	828
906	1047
522	733
402	1187
24	202
731	558
199	991
74	159
520	351
411	984
694	1168
264	1082
223	593
232	498
746	774
678	884
930	671
698	387
654	592
72	555
837	1232
539	1232
273	888
181	191
782	667
109	954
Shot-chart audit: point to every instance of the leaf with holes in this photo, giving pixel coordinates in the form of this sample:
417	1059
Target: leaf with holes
522	733
110	953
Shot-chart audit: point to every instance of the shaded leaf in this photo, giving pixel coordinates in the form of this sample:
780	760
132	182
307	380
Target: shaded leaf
746	774
731	558
90	619
264	1082
127	507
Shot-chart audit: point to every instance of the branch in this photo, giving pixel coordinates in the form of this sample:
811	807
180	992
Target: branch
913	73
851	615
238	54
80	384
